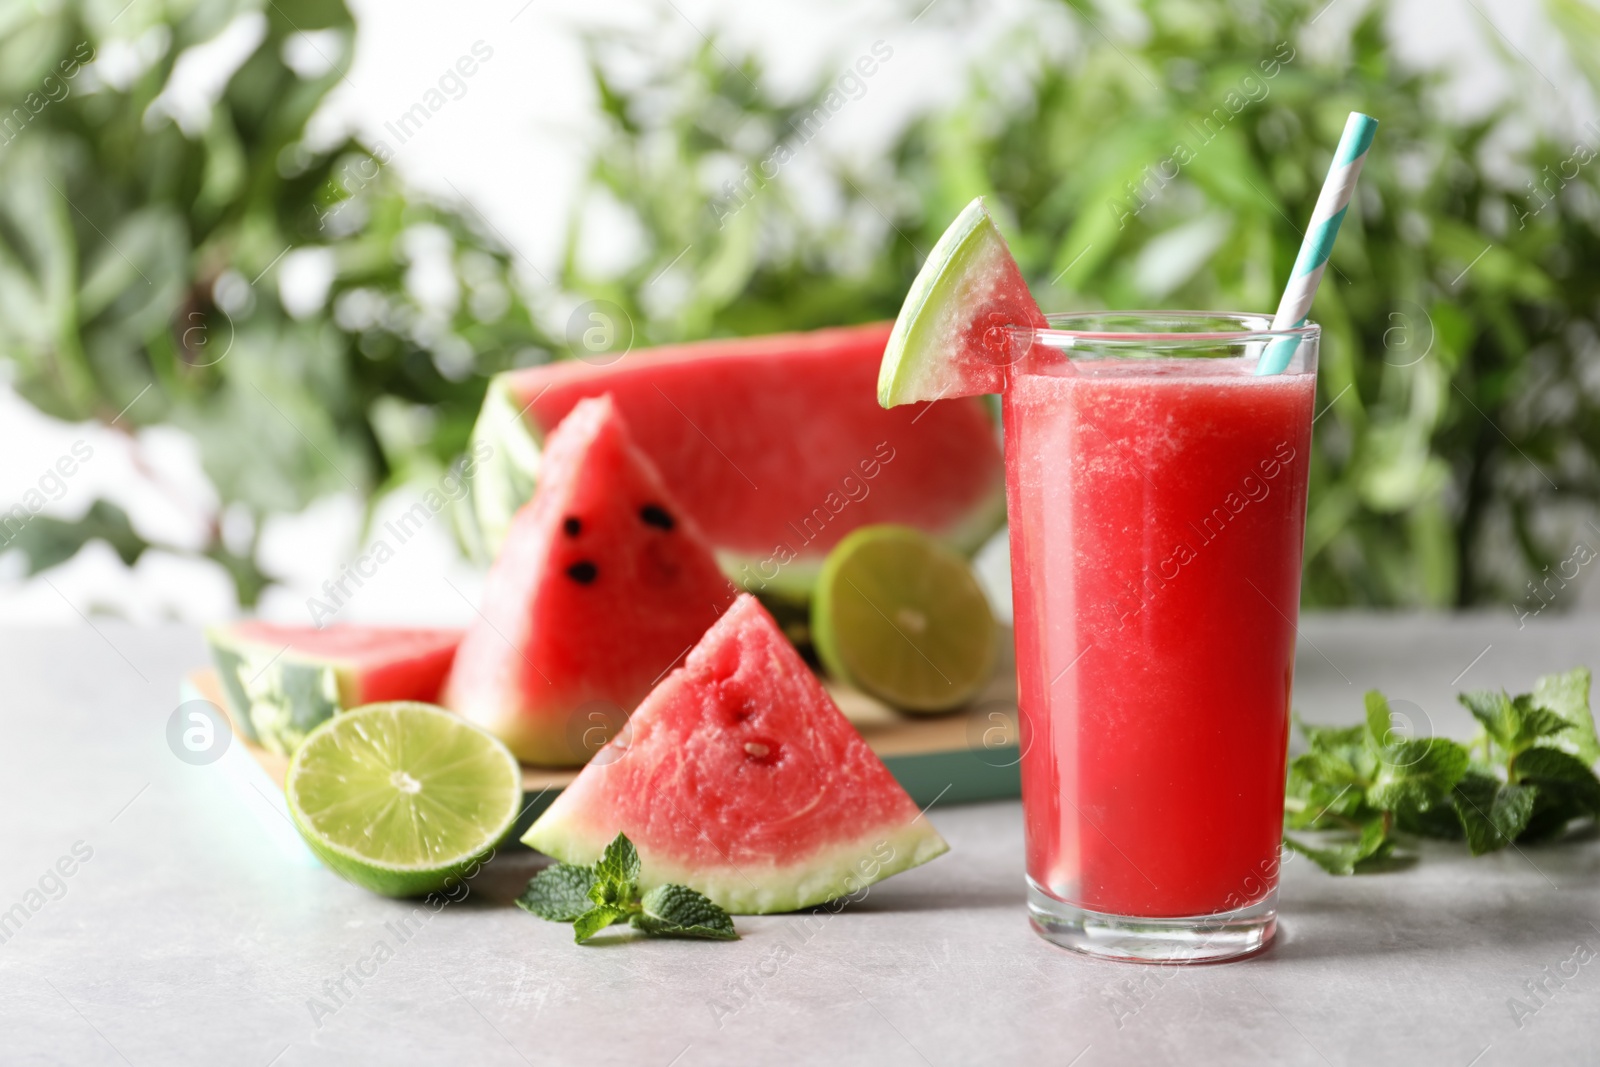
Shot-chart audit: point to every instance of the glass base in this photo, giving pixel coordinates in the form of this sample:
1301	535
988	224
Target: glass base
1227	935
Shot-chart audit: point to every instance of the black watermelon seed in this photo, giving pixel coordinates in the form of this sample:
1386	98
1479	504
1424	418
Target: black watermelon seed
582	572
656	515
572	526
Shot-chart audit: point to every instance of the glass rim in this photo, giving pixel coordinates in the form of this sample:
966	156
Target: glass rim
1249	327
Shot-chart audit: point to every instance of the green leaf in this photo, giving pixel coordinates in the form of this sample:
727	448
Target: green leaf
1492	813
1535	722
1497	714
1373	843
596	919
1323	738
1560	773
47	541
1437	820
1418	773
1567	695
678	911
1379	724
616	875
559	893
620	863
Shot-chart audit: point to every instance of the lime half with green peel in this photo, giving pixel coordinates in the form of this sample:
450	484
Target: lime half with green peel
901	617
953	336
401	798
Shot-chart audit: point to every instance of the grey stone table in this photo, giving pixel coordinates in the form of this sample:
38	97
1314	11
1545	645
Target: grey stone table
190	929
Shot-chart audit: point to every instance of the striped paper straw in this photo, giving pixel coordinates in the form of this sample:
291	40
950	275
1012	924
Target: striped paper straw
1332	203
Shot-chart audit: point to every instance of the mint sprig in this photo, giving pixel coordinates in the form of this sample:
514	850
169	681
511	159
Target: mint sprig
593	898
1527	775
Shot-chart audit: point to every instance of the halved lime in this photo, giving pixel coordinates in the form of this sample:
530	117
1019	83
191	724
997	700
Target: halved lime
953	335
899	616
400	798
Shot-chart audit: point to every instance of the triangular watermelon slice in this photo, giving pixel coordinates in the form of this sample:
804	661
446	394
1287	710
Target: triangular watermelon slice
952	336
281	681
601	587
739	776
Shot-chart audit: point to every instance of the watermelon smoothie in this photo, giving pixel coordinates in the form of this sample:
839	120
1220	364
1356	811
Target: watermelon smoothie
1157	492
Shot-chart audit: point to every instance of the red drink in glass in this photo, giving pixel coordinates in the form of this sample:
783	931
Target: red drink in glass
1157	494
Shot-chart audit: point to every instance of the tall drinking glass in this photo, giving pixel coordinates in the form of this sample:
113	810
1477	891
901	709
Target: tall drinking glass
1157	494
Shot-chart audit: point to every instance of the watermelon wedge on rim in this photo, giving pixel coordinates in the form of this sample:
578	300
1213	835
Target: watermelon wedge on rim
739	777
604	583
774	444
282	681
952	337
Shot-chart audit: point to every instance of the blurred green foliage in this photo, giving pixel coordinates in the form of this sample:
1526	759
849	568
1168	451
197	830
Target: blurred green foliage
1170	158
139	262
1455	459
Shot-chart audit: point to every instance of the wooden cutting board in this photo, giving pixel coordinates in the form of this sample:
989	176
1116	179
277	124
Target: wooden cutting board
967	755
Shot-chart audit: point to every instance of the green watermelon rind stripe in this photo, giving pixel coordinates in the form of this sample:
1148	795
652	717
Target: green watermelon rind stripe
299	684
913	365
747	889
506	479
229	662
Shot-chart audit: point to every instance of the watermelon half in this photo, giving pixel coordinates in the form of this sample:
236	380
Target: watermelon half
953	337
281	681
740	777
773	444
602	586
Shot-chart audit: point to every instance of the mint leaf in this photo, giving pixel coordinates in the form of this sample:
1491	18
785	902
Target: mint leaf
1497	714
1380	727
1333	768
1561	774
594	920
1359	785
1418	774
1373	843
678	911
1322	738
1552	812
1536	722
1567	695
593	898
1492	813
1438	820
620	864
559	893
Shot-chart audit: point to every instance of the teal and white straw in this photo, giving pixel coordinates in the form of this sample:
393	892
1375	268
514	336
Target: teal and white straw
1332	203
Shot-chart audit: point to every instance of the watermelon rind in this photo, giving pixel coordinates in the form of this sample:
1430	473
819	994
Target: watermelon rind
921	361
505	480
842	871
278	697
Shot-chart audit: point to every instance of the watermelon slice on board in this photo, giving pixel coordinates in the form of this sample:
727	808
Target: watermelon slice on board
952	338
774	444
739	776
281	681
602	586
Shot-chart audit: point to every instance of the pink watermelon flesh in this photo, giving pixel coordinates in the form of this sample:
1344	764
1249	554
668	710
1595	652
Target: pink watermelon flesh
385	663
777	447
603	584
989	349
740	777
